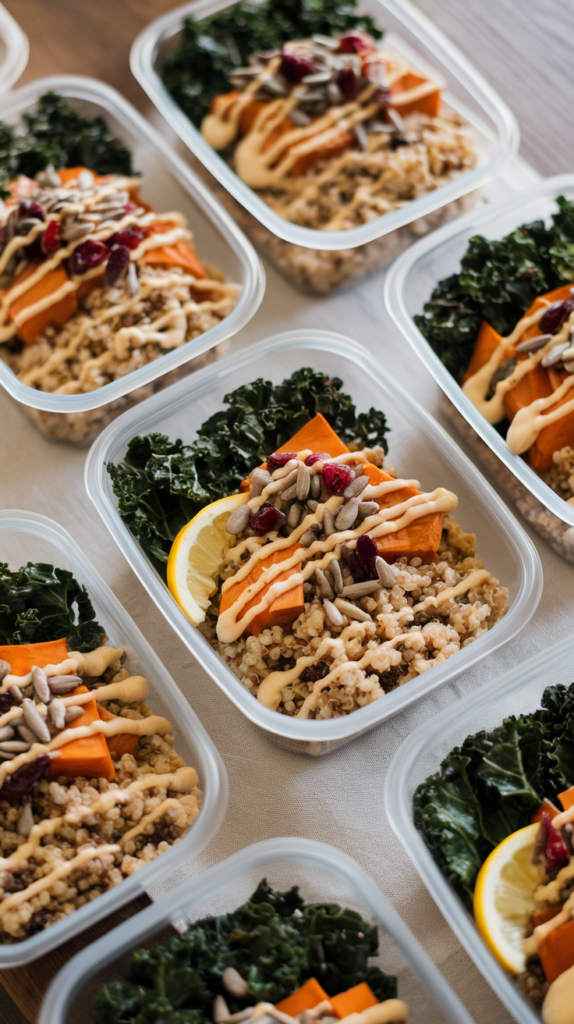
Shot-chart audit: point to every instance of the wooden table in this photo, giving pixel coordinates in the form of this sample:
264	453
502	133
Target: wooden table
522	48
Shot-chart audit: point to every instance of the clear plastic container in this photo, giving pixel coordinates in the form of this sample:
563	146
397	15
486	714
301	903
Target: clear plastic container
409	285
25	536
325	260
501	542
518	692
167	184
14	50
323	874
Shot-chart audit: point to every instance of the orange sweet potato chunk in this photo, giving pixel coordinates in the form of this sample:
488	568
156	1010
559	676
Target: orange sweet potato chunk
487	341
553	437
419	540
556	951
325	144
543	914
21	657
90	756
354	1000
305	998
547	807
566	798
317	435
428	104
536	384
58	313
284	609
124	743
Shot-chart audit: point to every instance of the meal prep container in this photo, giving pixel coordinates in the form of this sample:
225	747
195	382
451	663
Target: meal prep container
25	536
323	874
518	692
303	253
14	50
168	184
179	412
409	285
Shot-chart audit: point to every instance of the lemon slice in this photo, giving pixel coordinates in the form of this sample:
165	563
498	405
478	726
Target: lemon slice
197	554
503	897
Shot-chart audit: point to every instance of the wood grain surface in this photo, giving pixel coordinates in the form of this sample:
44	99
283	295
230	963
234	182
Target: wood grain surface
522	48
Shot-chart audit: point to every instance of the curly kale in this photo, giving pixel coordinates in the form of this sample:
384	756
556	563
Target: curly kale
162	484
197	69
54	133
275	941
39	603
490	786
497	282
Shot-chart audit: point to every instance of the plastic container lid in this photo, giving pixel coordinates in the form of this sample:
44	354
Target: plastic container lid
518	692
181	409
412	278
322	872
168	184
25	536
494	124
14	50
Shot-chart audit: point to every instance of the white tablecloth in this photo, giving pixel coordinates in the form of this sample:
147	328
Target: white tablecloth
337	799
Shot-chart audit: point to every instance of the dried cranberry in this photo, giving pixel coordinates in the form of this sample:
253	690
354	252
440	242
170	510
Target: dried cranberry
383	96
7	701
294	68
52	238
266	519
22	782
337	477
29	210
366	552
355	42
87	255
316	457
131	236
117	264
129	207
279	459
347	82
551	321
555	851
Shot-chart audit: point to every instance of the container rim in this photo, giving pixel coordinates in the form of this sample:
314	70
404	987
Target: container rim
394	294
181	902
177	396
399	810
216	784
17	50
142	62
251	291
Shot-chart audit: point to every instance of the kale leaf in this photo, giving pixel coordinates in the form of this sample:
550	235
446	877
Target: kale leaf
490	786
275	941
162	484
39	603
54	133
197	69
497	282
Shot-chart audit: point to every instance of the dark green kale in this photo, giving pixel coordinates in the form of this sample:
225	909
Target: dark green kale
54	133
40	603
196	70
275	941
162	484
498	281
491	785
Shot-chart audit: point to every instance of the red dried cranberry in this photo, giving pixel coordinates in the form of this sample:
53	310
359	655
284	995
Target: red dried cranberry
316	457
294	68
355	42
129	207
130	236
279	459
383	96
117	264
555	849
23	780
87	255
551	321
7	701
347	82
366	552
266	519
52	238
337	477
29	210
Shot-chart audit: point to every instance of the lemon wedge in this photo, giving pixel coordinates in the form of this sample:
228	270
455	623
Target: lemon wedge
197	555
503	897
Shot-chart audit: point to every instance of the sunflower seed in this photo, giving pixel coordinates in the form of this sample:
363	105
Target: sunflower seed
238	520
351	610
315	485
72	232
379	126
356	486
361	135
57	712
248	72
311	96
299	117
357	590
25	821
337	575
347	515
6	733
48	178
290	493
40	684
333	613
325	492
5	669
7	757
133	283
334	93
328	41
34	722
317	78
288	480
312	505
16	692
368	508
385	573
278	502
397	120
63	684
303	482
325	587
307	539
24	227
569	365
533	344
274	86
73	713
26	733
234	983
568	353
260	479
294	515
85	180
328	522
14	746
